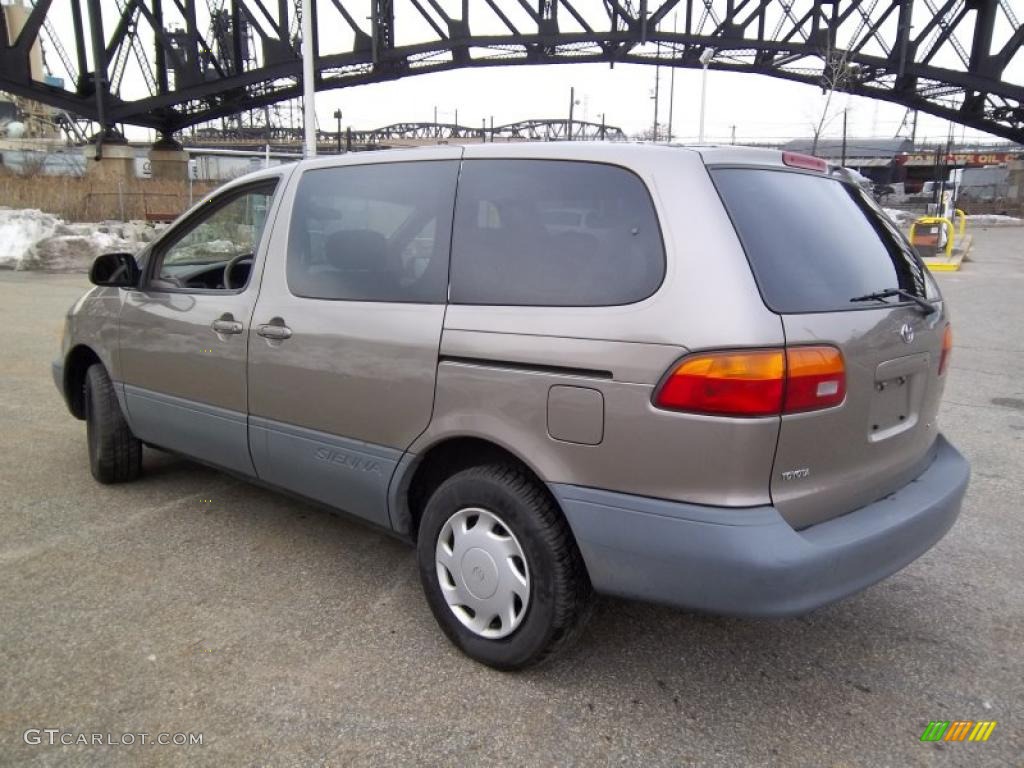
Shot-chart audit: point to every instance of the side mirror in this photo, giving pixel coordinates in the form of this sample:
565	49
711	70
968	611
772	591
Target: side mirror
115	270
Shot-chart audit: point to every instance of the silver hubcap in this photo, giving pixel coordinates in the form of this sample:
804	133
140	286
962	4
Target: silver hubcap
482	572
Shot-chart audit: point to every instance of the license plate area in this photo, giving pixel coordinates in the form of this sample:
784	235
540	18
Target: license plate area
899	392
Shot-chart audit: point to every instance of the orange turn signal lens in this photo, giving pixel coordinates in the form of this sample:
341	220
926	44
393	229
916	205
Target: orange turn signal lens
760	382
947	348
727	383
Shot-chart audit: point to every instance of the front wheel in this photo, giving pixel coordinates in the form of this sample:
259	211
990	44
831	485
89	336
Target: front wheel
499	567
115	454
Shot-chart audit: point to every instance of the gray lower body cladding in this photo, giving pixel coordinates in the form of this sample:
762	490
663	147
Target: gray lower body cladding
750	562
213	435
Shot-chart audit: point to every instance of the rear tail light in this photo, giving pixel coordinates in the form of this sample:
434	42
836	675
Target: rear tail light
947	348
731	383
760	382
815	378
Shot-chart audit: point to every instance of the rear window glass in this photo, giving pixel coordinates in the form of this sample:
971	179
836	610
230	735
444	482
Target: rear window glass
813	242
553	233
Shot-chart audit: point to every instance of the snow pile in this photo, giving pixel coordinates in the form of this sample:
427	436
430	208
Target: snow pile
31	239
994	219
20	230
906	218
200	251
902	218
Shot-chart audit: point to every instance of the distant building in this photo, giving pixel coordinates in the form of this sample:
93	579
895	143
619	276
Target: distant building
877	151
898	161
21	117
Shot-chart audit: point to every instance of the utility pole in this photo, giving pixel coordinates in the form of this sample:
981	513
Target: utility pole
705	58
671	87
602	127
308	85
913	131
337	116
657	82
843	161
572	103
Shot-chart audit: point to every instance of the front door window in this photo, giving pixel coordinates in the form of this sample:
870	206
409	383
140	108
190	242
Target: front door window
216	251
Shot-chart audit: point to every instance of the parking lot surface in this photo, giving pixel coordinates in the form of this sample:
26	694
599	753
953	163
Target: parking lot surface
191	602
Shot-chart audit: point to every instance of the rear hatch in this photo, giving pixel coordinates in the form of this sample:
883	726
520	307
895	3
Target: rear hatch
815	244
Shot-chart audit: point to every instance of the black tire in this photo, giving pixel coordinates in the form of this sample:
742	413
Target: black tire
115	454
560	591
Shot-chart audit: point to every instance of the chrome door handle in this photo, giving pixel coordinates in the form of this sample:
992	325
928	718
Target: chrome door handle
226	326
273	331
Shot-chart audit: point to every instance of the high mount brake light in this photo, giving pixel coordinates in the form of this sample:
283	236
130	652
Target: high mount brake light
806	162
759	382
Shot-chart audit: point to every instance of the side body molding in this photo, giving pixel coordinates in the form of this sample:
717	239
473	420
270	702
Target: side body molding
346	474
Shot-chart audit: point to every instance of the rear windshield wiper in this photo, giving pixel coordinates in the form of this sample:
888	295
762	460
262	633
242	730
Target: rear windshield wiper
889	293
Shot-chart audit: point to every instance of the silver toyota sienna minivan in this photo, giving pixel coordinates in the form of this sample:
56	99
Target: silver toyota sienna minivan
705	376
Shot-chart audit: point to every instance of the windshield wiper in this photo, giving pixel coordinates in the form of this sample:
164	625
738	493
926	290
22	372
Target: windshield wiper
889	293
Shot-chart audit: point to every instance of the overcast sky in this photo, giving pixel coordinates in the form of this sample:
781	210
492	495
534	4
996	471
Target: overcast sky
759	107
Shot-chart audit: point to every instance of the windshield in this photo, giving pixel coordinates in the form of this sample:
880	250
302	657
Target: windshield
814	242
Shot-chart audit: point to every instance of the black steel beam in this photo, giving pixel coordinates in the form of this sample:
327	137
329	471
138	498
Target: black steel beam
99	70
787	39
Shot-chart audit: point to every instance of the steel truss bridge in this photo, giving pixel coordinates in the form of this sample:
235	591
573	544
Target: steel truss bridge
170	64
402	133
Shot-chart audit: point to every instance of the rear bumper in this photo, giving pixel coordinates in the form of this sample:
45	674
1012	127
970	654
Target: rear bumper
750	562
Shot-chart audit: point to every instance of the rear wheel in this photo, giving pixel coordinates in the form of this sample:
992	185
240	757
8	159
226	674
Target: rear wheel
499	567
115	454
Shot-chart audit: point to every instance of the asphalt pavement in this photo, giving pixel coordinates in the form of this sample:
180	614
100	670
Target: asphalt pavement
192	603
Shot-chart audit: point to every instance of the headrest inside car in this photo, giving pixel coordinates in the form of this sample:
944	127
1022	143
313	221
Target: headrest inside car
360	250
